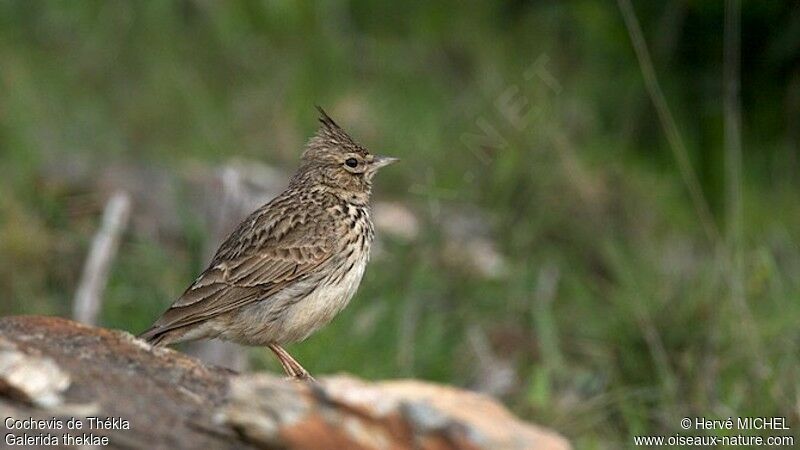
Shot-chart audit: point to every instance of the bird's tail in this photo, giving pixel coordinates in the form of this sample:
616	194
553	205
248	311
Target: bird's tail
157	336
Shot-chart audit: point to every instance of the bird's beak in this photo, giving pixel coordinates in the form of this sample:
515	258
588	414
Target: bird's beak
381	161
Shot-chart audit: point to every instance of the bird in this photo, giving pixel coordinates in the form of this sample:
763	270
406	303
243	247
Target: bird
293	264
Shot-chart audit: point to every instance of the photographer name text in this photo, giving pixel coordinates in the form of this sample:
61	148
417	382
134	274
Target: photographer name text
737	423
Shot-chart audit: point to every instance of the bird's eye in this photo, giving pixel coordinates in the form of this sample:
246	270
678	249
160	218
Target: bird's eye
351	162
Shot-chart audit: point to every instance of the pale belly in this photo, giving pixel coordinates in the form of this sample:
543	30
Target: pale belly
315	311
284	319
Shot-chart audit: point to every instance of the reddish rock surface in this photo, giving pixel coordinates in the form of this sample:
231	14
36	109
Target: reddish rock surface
56	369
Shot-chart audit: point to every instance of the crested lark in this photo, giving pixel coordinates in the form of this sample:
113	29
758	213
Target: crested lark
293	264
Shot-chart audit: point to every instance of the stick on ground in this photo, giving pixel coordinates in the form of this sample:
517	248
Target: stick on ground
88	297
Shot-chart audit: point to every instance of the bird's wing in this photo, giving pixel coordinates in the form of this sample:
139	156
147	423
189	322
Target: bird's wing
268	251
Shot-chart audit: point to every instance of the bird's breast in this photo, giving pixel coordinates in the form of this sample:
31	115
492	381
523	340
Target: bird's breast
329	297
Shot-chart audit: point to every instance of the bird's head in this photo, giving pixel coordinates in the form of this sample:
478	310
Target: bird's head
332	158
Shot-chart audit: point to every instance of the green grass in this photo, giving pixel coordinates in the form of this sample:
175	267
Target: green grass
641	330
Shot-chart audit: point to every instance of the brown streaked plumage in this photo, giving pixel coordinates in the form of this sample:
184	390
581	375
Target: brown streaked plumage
293	264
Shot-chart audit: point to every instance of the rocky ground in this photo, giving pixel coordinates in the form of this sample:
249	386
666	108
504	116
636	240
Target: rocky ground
63	382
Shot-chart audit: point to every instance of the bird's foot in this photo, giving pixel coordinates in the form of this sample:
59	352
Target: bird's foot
298	373
301	378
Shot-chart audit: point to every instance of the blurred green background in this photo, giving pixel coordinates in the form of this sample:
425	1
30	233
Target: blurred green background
607	311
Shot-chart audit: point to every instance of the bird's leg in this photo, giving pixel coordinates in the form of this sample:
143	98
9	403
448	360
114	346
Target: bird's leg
290	365
279	352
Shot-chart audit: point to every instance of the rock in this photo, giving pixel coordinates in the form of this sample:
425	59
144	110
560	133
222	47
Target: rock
469	244
495	374
166	397
159	398
345	413
30	378
396	220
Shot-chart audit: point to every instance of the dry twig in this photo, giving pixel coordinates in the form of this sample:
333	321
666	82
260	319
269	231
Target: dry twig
88	297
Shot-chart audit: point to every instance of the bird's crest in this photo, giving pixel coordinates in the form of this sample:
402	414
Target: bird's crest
326	120
330	137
